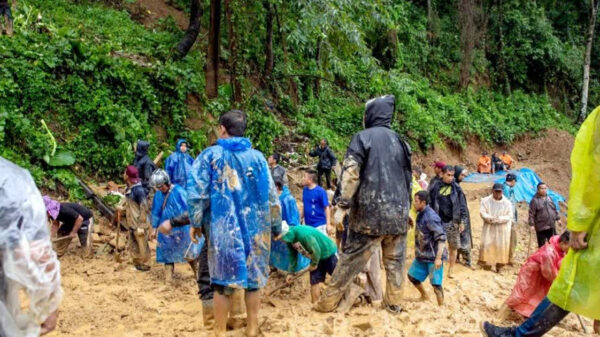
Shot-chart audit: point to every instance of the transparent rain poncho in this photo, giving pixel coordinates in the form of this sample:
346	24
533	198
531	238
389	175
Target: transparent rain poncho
577	288
28	265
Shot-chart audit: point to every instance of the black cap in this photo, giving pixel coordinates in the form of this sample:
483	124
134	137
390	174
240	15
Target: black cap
511	177
498	187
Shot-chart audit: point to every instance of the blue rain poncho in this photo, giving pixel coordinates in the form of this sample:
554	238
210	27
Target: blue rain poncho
231	193
178	165
170	248
280	254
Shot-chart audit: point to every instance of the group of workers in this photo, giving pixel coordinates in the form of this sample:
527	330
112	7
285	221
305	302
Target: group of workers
495	163
239	203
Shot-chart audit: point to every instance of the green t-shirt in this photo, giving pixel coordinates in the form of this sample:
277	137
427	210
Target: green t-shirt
310	242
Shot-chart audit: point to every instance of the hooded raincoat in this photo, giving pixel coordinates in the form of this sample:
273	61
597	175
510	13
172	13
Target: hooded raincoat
232	195
535	278
378	161
144	164
28	265
576	288
171	248
178	164
280	255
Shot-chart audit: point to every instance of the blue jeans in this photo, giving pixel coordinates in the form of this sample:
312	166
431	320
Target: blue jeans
543	318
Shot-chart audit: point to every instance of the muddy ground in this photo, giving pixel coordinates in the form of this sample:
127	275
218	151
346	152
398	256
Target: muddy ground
108	298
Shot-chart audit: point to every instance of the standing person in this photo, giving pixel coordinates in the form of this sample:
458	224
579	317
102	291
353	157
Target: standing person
576	288
138	227
316	211
316	246
438	166
69	220
543	215
445	200
232	197
280	254
484	165
466	237
430	249
178	164
277	171
144	164
28	265
420	177
8	18
497	214
506	160
327	160
537	274
376	189
170	201
509	193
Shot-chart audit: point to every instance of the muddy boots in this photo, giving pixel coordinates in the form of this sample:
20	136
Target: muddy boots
169	268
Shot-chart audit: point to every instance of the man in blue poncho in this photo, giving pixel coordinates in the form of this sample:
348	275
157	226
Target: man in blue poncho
178	164
169	202
232	200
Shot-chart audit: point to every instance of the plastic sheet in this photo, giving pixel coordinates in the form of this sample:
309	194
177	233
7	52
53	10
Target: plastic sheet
577	288
27	259
526	187
535	278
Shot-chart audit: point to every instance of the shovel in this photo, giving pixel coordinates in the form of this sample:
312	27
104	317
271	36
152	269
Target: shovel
283	285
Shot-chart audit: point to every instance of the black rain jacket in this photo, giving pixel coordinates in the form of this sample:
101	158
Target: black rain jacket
144	164
382	200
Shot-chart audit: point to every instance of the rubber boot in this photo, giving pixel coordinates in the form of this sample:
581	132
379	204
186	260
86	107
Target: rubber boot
490	330
237	315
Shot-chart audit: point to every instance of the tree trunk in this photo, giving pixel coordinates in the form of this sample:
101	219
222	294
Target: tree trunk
269	62
430	20
293	87
233	78
501	61
587	60
317	80
466	10
191	34
212	55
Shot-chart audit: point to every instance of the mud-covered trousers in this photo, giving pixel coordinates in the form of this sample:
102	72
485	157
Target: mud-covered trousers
203	277
355	254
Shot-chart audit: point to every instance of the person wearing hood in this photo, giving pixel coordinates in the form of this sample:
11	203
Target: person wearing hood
69	220
233	199
438	166
327	161
466	236
376	183
143	163
28	265
178	164
446	201
313	244
537	274
509	193
138	226
169	202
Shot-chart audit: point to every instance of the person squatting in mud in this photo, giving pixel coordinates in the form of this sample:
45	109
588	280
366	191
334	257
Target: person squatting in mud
232	198
376	185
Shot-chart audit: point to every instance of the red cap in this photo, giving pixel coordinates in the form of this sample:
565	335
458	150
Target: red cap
132	173
439	164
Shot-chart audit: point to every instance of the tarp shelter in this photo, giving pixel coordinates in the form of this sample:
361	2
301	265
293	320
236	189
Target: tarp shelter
526	187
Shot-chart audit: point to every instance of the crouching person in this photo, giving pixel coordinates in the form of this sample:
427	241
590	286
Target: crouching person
69	220
430	249
315	245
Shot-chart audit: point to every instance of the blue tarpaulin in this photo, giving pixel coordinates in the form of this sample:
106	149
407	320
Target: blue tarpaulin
526	187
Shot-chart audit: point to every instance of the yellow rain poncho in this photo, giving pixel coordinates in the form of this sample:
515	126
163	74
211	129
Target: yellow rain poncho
577	287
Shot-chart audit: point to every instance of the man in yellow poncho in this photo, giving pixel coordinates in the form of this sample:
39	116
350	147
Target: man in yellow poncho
576	289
